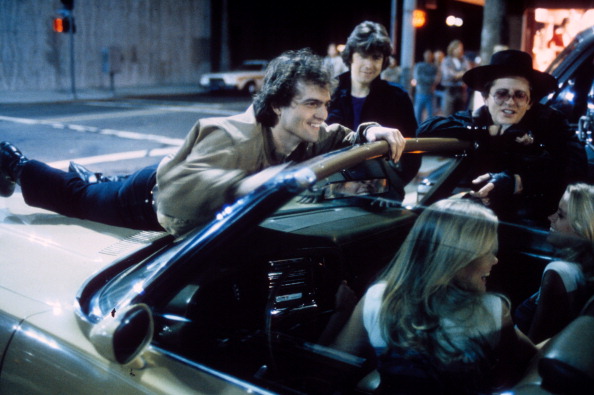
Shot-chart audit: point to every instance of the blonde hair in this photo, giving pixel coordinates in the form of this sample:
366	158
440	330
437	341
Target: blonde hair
580	209
421	286
452	46
580	214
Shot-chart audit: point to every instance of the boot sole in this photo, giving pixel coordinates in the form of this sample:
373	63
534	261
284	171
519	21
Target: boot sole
7	185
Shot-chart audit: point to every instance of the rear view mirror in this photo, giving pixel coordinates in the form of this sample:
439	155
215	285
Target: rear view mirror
343	189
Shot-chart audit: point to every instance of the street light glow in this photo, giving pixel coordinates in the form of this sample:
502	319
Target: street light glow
454	21
419	18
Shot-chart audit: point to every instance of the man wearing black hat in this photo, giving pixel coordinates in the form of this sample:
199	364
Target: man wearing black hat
529	153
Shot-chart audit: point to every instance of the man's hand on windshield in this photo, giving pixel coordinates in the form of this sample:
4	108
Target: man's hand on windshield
392	136
498	188
483	192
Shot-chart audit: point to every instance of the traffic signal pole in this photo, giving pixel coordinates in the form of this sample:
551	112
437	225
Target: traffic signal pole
407	46
64	23
72	74
404	26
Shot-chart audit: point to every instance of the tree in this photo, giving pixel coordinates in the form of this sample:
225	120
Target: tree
493	27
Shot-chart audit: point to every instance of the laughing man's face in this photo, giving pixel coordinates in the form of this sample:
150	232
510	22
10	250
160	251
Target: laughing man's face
302	118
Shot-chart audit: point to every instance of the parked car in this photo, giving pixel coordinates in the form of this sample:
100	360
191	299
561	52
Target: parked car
247	78
574	70
235	307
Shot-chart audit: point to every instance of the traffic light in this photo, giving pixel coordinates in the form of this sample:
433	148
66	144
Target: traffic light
64	22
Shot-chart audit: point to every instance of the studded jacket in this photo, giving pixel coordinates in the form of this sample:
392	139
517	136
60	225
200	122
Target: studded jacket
555	159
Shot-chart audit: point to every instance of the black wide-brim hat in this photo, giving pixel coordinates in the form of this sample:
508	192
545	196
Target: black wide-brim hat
511	63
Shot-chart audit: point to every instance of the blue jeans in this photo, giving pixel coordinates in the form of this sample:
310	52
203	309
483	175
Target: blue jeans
125	203
423	101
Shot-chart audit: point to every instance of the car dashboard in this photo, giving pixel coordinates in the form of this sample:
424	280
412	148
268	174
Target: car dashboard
270	298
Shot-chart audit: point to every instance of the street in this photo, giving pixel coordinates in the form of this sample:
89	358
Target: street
112	136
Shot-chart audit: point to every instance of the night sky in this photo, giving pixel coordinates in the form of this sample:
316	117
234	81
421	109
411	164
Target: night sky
265	28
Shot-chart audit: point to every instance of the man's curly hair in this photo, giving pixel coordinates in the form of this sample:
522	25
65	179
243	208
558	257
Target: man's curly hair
281	78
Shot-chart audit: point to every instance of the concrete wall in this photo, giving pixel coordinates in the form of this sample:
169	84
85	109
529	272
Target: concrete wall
160	42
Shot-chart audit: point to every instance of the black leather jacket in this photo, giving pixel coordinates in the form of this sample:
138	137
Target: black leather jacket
546	167
387	105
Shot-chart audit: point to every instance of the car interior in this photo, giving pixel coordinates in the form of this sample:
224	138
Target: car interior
259	308
257	303
267	298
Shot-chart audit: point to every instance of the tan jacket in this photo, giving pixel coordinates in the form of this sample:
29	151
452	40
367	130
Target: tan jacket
217	154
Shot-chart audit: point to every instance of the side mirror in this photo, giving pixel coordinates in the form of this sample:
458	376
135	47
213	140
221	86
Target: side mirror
123	335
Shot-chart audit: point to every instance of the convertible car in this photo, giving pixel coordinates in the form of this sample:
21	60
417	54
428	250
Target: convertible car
240	305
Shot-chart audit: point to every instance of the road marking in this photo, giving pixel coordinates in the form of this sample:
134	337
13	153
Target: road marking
106	115
174	143
90	160
213	108
155	110
92	129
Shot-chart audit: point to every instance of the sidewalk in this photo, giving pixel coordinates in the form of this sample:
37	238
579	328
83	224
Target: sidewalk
50	96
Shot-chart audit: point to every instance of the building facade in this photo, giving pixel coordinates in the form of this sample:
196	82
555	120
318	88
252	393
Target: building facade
131	42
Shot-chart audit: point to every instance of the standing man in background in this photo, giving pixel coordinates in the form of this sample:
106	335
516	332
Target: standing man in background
425	75
392	72
362	96
453	67
333	61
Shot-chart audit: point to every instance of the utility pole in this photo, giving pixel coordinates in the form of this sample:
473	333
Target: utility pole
72	74
64	23
492	32
394	23
225	56
68	11
407	46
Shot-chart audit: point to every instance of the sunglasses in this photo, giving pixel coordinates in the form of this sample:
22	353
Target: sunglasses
503	95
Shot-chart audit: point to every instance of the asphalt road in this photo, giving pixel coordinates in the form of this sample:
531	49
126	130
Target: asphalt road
115	136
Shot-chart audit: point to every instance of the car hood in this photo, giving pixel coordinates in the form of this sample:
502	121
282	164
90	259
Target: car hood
46	256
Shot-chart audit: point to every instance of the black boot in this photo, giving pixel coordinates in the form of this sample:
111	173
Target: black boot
11	167
91	177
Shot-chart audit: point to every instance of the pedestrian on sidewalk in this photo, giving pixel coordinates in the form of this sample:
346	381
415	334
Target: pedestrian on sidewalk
425	75
453	67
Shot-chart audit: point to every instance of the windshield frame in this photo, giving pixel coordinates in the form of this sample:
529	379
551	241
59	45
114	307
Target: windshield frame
139	282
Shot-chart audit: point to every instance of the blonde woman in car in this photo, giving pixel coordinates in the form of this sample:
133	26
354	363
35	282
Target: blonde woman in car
568	282
429	319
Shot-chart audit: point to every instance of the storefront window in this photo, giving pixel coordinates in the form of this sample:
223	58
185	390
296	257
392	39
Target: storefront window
549	31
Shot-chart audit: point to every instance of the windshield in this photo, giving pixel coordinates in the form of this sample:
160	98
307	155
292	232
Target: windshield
562	56
369	188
